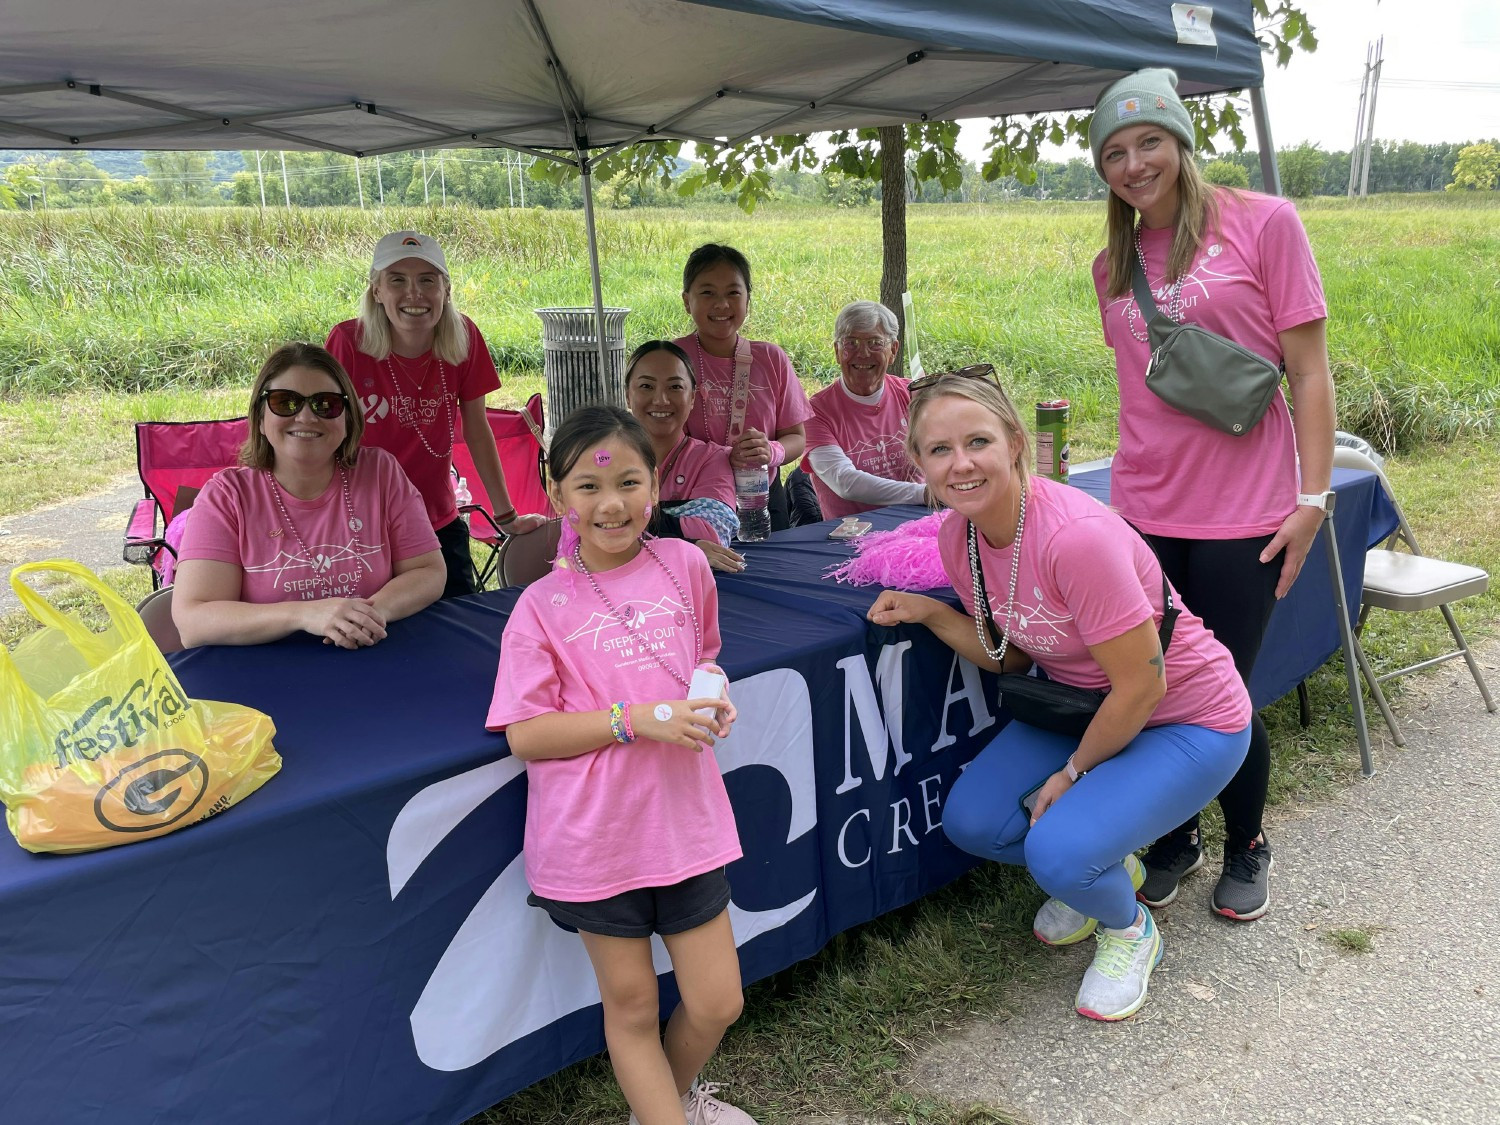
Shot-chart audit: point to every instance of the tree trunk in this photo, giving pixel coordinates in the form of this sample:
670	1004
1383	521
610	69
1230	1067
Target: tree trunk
893	220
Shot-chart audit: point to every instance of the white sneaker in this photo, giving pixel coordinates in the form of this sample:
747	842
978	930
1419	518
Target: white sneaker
703	1108
1057	923
1114	987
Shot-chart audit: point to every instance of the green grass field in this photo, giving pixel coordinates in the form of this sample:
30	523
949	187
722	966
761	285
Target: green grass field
111	317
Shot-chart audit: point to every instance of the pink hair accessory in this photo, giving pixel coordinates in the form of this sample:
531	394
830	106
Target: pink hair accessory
648	511
601	457
905	558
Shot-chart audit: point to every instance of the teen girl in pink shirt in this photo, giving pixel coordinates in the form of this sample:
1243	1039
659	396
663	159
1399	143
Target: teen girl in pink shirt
591	692
310	533
1072	588
1230	517
716	294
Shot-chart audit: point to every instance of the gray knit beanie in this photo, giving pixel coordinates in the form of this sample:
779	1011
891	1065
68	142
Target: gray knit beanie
1147	97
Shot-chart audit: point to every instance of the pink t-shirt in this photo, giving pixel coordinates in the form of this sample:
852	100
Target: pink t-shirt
696	470
621	817
777	400
873	438
396	409
1085	578
1254	278
235	520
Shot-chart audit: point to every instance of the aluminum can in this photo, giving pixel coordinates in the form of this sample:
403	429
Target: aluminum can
1052	439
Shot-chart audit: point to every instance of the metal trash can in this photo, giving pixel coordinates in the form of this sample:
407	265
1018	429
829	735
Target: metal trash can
570	353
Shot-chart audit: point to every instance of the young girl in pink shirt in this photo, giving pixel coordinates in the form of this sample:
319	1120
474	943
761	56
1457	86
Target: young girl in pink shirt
591	692
749	401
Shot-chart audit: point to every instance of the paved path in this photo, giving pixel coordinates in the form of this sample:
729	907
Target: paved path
90	529
1272	1021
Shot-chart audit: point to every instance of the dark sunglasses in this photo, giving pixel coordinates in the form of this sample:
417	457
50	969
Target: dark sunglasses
288	404
973	371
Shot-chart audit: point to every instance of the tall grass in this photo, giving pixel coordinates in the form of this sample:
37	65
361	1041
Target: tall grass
132	300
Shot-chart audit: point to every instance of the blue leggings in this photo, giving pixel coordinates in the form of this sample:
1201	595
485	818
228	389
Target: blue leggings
1076	850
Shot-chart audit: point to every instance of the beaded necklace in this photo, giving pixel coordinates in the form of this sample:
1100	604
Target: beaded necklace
354	523
624	620
981	609
408	407
1173	310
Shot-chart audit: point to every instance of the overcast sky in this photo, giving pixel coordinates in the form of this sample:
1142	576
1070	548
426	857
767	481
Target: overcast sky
1440	80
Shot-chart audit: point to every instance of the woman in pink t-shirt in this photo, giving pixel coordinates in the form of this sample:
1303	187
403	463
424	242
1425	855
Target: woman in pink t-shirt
1229	516
856	440
716	294
1073	588
309	533
423	371
697	486
628	824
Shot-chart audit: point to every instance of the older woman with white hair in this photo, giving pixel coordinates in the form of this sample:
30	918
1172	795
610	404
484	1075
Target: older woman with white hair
421	370
856	439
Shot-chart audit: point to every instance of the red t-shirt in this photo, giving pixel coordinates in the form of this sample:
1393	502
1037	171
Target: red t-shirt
412	408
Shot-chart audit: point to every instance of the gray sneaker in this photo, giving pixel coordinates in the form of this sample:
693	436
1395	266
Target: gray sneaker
1114	988
1167	861
1057	923
1244	889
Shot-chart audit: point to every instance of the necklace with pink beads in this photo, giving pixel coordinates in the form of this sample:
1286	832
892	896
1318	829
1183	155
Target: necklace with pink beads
408	406
624	619
354	524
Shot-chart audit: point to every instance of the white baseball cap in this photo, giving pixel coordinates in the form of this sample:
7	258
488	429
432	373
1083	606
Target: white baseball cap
403	244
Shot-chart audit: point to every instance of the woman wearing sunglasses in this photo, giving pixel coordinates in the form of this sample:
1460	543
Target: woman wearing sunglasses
309	533
856	440
1046	574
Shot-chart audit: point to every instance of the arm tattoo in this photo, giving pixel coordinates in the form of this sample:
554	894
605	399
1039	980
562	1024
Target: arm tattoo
1161	663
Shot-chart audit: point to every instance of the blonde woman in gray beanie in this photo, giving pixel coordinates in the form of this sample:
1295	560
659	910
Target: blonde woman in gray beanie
1229	515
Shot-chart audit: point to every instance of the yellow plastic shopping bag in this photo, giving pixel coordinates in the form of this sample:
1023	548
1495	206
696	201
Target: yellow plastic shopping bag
99	745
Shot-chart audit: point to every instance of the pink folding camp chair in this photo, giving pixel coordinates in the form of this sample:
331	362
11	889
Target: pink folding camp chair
174	460
518	436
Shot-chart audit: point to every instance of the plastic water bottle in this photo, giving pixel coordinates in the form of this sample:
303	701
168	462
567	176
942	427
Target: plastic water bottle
461	495
752	495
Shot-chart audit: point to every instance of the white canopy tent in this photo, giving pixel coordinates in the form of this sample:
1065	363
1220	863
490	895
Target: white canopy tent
572	80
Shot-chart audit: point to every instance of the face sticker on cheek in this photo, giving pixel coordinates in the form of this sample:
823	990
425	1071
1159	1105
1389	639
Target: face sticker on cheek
573	515
601	457
648	511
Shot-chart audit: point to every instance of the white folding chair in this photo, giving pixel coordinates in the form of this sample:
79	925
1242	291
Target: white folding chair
1406	582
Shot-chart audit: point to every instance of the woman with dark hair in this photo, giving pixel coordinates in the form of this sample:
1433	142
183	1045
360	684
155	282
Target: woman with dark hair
749	401
1231	517
423	371
697	487
309	533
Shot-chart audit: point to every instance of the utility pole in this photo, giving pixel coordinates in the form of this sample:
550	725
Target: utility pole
261	176
286	189
1364	125
442	177
379	180
1356	150
1364	172
359	183
425	198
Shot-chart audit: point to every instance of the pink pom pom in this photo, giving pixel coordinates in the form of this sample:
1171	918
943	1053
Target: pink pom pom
905	558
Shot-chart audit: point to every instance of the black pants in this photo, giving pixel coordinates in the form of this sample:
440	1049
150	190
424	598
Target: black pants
802	499
1224	582
453	538
781	517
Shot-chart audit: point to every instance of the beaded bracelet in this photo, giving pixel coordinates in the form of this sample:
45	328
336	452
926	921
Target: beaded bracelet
619	723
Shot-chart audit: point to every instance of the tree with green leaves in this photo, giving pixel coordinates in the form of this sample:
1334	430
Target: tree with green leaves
1478	169
1226	173
1301	169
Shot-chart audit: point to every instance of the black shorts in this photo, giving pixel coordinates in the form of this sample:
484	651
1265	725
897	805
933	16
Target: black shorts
650	910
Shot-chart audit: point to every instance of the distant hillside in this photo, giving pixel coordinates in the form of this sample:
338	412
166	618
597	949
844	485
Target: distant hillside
120	165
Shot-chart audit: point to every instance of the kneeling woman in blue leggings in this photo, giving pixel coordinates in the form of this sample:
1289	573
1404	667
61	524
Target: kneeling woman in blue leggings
1073	588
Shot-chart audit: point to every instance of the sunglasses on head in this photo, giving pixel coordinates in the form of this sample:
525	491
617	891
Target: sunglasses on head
288	404
973	371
